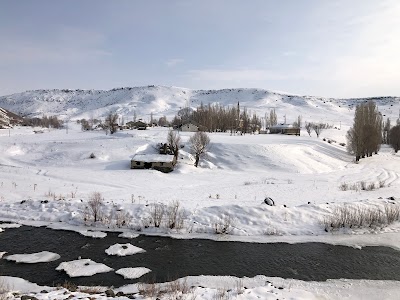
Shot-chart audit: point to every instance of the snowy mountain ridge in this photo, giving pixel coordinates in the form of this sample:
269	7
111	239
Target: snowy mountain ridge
162	100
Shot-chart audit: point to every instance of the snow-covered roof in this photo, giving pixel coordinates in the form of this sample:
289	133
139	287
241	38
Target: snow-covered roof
282	126
153	157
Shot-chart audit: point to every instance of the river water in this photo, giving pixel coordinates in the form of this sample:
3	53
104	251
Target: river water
174	258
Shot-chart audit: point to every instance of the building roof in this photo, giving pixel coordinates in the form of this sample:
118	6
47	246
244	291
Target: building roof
153	157
282	126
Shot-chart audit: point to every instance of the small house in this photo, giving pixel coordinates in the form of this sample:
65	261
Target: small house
284	129
159	162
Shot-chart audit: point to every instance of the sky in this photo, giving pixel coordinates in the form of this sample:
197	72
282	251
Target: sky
309	47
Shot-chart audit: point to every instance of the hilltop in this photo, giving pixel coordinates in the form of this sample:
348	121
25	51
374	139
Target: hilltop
162	100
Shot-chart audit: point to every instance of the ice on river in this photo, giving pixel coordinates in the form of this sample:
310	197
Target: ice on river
33	258
83	267
123	249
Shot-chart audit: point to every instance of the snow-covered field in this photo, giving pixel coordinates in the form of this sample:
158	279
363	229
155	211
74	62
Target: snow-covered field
47	179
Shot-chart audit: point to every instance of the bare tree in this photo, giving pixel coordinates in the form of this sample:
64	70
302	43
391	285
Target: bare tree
111	122
174	141
297	123
394	138
318	128
95	205
199	145
385	133
273	119
308	127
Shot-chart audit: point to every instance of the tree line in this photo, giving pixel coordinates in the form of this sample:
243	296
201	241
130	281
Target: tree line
216	117
45	121
369	131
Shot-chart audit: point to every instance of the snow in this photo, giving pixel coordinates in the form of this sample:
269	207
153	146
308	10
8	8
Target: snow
133	273
83	267
128	235
33	258
208	287
9	225
2	254
153	157
93	234
123	250
47	179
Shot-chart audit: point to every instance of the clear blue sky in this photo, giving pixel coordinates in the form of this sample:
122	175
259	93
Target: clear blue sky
317	47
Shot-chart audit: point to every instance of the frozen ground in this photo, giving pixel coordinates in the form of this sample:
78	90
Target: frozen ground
46	179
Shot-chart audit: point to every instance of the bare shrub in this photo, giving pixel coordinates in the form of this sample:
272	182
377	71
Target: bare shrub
224	225
157	214
221	294
151	290
272	231
381	183
175	216
239	286
122	218
371	186
177	288
95	206
344	186
361	217
70	286
363	185
392	212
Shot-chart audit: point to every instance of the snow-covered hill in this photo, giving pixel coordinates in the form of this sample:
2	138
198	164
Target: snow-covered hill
161	100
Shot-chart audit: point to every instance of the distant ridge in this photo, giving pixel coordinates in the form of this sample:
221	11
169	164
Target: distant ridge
162	100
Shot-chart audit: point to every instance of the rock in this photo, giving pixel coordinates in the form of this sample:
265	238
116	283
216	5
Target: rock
44	292
120	294
269	201
110	293
391	198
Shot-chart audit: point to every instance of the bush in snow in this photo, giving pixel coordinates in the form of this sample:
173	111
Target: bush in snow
95	206
175	216
224	225
362	217
92	155
157	214
362	185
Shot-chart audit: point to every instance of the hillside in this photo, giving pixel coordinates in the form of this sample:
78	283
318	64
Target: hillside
161	100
